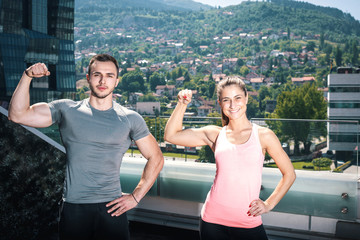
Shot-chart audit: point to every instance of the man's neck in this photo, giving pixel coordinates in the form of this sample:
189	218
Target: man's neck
101	104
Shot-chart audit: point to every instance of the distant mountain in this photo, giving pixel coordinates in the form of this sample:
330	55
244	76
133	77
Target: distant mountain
334	12
249	16
283	14
182	5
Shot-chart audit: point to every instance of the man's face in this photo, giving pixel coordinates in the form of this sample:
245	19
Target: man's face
102	79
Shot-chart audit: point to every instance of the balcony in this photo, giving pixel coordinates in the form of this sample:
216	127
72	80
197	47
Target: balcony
323	203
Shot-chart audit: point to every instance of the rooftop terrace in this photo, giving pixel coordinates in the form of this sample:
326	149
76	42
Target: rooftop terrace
322	204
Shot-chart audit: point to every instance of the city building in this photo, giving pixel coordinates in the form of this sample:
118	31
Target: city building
34	31
344	104
148	108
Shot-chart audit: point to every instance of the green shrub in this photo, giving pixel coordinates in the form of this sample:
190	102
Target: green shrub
321	163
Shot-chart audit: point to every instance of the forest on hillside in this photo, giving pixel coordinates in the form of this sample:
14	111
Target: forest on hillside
250	16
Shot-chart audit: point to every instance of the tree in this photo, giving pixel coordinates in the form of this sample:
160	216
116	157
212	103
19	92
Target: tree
155	80
176	73
133	81
215	118
206	154
288	33
240	62
123	71
190	85
211	78
147	98
263	93
338	56
128	63
305	102
187	77
310	46
290	61
354	53
306	59
156	127
168	76
244	70
211	89
179	72
252	108
322	41
177	59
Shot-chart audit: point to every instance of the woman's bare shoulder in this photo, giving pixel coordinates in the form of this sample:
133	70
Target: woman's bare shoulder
266	133
267	137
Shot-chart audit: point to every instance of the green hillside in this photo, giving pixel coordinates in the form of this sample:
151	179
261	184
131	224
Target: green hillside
160	5
301	18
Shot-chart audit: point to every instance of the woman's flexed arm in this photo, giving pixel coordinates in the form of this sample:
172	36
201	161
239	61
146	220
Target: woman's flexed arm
174	132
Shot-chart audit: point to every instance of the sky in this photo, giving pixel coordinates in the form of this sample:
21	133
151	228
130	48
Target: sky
347	6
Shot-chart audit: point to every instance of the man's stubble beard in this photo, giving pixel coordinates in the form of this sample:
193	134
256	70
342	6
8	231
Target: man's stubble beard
95	94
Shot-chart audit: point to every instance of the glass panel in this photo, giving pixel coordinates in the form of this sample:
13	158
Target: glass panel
326	158
130	174
323	188
317	194
186	181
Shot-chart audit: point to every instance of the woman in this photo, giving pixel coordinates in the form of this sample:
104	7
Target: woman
232	209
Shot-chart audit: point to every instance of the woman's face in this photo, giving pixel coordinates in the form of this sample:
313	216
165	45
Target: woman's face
233	102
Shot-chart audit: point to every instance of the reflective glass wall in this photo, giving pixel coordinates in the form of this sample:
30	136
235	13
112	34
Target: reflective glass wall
326	186
34	31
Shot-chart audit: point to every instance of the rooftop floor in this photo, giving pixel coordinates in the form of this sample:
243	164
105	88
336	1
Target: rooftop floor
145	231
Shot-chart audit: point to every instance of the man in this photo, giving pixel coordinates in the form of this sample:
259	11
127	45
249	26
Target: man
96	132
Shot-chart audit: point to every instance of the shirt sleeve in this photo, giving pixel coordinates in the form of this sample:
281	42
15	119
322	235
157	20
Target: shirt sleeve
56	108
138	126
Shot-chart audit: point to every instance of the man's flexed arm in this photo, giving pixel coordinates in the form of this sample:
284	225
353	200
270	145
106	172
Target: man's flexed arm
20	111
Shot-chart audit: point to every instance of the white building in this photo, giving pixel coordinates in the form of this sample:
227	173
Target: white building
344	104
148	108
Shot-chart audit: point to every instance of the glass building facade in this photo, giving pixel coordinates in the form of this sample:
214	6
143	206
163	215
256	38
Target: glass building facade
34	31
344	104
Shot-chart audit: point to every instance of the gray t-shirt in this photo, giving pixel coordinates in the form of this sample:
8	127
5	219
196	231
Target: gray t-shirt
95	143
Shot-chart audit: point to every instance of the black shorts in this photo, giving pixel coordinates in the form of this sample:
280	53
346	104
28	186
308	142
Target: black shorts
91	221
212	231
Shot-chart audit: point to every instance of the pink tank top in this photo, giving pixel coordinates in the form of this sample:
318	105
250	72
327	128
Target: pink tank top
237	182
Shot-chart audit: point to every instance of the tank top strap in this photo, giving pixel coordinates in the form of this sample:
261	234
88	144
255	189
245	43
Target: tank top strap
255	130
255	134
221	137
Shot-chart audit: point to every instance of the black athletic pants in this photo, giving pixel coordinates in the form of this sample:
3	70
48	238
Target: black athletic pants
211	231
91	222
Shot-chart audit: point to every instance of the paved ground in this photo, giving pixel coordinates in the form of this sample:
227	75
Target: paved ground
145	231
353	170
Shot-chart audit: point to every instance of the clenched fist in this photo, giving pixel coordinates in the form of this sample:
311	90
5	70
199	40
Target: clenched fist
185	96
37	70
